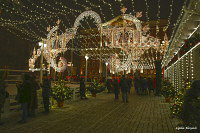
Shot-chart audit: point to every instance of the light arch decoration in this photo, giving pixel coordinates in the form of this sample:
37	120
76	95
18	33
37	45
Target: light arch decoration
51	47
56	44
126	33
86	14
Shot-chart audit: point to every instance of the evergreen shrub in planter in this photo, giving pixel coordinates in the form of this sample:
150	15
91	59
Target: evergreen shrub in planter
167	90
61	92
95	88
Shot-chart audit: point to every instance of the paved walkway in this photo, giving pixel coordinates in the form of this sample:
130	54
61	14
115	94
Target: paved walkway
103	114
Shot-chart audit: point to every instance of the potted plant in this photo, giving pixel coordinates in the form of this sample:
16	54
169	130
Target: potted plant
95	88
61	92
167	90
179	100
188	105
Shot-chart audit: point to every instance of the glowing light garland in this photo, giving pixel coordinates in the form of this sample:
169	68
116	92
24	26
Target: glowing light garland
177	34
129	37
59	42
62	10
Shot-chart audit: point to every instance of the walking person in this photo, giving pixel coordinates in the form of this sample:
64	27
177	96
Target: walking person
130	85
154	85
124	88
145	84
25	96
116	88
46	91
82	89
136	85
109	85
150	85
140	85
33	103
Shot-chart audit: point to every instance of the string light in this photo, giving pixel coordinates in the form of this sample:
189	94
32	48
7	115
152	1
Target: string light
187	67
42	13
147	10
158	16
182	71
176	35
175	76
34	14
133	5
191	66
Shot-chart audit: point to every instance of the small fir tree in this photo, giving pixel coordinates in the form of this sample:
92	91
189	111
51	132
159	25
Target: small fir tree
178	101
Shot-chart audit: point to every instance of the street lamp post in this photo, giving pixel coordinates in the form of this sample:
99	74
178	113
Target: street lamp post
72	55
86	58
106	70
42	45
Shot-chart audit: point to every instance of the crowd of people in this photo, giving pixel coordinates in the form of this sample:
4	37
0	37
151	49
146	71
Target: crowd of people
122	85
27	91
27	95
142	85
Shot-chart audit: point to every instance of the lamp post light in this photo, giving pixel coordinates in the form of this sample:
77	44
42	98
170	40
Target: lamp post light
106	69
86	58
42	45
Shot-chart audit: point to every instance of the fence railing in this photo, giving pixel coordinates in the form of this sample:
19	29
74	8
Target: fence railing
12	70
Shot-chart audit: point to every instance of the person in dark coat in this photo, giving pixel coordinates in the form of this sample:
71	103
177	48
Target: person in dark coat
124	89
109	85
136	85
82	89
154	85
33	103
130	85
116	88
140	85
150	85
145	86
46	91
25	96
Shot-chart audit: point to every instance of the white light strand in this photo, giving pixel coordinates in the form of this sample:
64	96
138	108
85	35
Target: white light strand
185	54
187	67
166	61
182	71
158	16
147	10
191	66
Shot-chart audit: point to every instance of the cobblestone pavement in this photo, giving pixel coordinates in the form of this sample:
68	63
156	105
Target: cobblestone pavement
103	114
